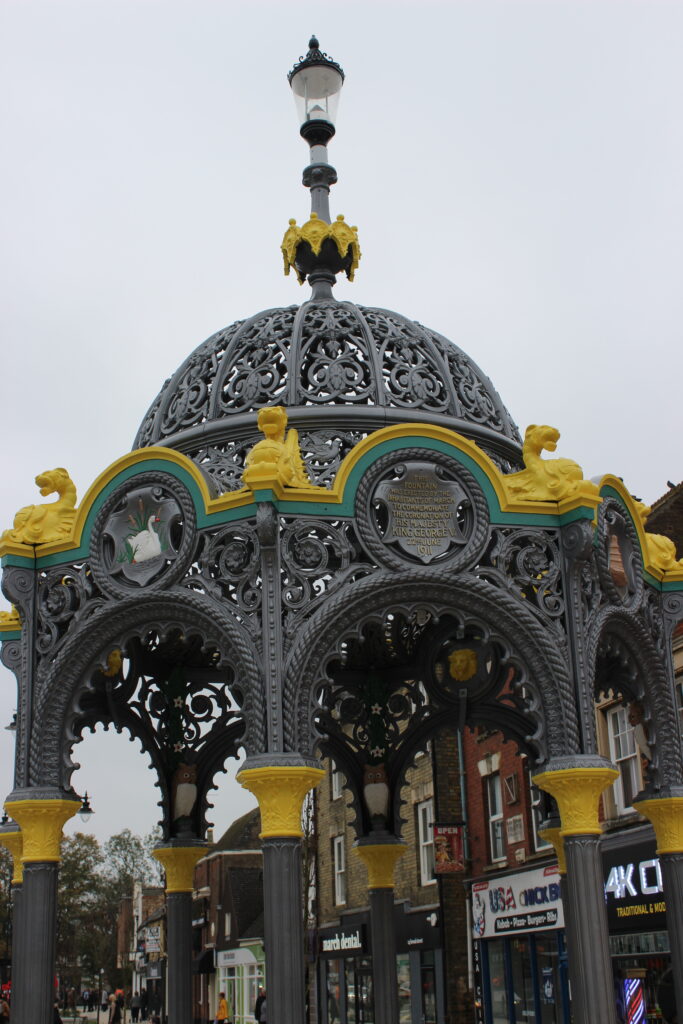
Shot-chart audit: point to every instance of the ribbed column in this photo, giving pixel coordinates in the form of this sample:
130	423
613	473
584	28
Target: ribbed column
666	814
41	822
380	859
280	789
179	864
12	840
577	793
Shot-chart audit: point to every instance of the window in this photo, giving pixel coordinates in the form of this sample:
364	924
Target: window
425	833
624	753
537	816
339	860
494	806
337	782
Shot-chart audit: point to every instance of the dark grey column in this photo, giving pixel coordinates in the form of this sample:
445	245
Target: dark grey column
33	991
179	950
672	877
383	935
17	895
284	930
590	968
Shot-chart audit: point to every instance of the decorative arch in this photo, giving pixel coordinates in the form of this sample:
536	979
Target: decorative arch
649	684
439	593
61	708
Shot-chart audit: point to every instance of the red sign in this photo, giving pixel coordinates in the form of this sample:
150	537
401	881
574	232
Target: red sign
449	849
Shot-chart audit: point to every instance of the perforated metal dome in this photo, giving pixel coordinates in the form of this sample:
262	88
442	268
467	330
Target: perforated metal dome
339	368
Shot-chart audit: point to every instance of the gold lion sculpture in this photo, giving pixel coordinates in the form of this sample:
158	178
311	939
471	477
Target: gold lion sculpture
52	521
543	479
661	550
277	457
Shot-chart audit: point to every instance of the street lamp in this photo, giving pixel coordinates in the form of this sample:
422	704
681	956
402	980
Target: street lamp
85	811
316	83
319	250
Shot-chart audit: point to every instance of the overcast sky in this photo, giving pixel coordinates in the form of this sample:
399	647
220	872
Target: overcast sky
515	170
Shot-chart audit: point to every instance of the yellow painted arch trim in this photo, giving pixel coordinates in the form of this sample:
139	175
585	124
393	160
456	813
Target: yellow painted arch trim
584	496
616	484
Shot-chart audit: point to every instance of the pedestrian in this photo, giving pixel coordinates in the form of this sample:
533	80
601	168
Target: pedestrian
135	1005
4	1009
56	1018
114	1010
222	1011
260	1000
264	1013
143	1004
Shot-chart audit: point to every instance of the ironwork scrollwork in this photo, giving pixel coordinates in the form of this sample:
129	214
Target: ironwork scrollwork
255	373
334	362
65	596
527	563
228	569
317	558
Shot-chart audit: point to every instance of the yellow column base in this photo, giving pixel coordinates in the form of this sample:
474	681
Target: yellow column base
280	791
14	841
41	823
179	863
577	792
554	836
667	817
380	859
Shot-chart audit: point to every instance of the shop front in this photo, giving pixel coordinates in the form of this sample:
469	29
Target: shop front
636	915
519	958
345	969
240	973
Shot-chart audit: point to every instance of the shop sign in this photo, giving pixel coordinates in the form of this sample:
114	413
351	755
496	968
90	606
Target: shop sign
153	939
524	902
154	970
230	957
343	942
478	984
634	889
449	849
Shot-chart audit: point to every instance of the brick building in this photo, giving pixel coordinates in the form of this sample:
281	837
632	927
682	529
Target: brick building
227	920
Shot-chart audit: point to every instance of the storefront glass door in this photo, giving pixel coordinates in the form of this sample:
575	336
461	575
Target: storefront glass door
359	994
549	980
522	985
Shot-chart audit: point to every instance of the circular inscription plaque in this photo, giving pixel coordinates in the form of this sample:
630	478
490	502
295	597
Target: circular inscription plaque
421	507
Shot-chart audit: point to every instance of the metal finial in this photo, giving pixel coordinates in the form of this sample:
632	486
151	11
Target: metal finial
313	43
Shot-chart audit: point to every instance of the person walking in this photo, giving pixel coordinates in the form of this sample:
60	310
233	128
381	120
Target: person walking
222	1011
115	1016
260	1000
135	1006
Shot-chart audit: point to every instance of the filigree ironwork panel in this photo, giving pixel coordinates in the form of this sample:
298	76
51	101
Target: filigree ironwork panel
413	371
318	557
228	570
66	596
333	362
527	564
190	393
255	370
170	692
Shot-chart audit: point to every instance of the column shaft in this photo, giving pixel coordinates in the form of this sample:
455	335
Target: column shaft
284	931
33	993
179	949
590	968
383	935
17	924
672	877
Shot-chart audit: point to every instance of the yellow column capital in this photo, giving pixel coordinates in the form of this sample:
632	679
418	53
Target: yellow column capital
179	863
554	836
577	792
667	817
280	791
14	841
41	823
380	859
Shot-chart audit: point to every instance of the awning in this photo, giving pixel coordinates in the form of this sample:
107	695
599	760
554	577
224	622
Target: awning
203	964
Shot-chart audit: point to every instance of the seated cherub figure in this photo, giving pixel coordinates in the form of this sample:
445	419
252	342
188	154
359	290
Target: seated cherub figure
277	457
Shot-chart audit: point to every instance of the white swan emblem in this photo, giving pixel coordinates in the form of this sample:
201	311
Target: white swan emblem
146	544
